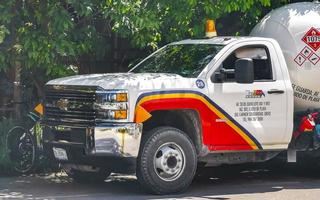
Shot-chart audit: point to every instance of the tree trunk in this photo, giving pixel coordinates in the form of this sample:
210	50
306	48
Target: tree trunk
115	50
39	85
17	97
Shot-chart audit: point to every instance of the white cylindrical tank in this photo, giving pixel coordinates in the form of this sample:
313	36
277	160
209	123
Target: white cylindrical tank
297	29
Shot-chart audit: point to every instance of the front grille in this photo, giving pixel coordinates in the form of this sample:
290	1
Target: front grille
70	105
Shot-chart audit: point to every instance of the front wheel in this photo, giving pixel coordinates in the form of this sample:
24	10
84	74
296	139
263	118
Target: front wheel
167	161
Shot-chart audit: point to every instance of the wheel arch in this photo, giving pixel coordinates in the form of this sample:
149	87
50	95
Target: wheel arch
186	120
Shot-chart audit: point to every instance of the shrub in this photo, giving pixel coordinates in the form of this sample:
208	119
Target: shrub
5	126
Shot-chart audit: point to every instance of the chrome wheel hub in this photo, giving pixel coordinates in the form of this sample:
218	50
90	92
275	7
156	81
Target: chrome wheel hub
169	161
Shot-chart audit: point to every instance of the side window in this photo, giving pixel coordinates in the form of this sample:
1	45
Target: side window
261	63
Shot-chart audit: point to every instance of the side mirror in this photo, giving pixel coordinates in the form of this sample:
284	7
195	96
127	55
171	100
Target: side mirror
244	71
219	76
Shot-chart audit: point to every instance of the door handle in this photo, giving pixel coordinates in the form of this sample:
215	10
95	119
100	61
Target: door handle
275	91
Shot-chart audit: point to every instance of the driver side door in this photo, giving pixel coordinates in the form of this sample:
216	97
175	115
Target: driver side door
253	114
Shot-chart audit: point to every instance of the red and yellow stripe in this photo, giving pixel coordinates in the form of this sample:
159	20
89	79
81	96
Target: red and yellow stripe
228	135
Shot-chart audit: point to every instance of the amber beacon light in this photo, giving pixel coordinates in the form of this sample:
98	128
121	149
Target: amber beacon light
210	29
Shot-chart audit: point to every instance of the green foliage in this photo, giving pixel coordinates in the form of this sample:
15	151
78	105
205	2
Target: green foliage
151	22
51	34
43	35
5	126
3	32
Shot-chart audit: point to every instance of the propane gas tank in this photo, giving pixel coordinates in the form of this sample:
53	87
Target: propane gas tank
296	27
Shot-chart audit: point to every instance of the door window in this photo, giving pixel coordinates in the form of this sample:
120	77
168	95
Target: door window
261	63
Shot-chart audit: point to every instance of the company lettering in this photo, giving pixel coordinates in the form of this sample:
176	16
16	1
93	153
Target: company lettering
303	90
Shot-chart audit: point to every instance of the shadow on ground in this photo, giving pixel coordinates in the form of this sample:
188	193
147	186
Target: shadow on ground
212	183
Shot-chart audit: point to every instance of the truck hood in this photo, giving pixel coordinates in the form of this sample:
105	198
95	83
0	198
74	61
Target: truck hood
132	81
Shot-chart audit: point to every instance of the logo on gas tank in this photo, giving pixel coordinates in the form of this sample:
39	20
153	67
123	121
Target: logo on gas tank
312	38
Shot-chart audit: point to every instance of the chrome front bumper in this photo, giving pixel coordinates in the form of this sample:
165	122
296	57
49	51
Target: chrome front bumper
114	140
119	140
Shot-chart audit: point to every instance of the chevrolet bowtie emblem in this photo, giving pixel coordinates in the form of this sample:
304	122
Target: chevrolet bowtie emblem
62	104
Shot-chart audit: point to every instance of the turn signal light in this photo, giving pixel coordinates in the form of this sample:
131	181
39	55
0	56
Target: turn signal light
122	97
120	114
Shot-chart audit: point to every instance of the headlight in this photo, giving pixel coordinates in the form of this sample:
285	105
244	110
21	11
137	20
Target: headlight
112	97
111	105
112	114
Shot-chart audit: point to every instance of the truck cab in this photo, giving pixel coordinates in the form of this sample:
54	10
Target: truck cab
223	100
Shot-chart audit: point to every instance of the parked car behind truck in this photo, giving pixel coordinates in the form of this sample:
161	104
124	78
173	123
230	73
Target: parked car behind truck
221	100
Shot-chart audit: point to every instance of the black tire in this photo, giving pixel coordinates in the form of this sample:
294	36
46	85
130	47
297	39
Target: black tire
163	144
21	149
88	177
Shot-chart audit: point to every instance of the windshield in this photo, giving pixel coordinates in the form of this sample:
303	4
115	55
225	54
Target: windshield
187	60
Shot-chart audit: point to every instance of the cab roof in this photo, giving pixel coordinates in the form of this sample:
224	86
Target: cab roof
221	40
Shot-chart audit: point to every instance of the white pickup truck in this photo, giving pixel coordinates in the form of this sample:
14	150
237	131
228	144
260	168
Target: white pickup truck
223	100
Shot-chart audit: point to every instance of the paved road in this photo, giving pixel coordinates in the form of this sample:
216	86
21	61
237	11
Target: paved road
235	183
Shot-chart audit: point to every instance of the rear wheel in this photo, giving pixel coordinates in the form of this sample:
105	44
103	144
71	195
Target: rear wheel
167	161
